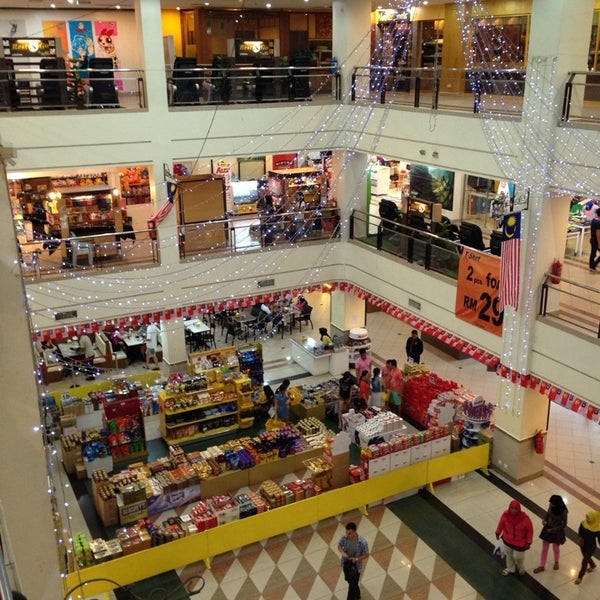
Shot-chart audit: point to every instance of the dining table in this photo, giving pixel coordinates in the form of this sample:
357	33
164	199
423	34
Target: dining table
246	321
196	326
134	342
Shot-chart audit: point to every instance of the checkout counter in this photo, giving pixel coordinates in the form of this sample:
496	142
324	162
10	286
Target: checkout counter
309	353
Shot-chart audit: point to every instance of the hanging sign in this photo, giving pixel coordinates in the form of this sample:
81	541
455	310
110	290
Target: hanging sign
28	47
477	291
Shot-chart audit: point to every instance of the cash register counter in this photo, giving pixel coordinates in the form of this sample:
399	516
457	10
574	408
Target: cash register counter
306	351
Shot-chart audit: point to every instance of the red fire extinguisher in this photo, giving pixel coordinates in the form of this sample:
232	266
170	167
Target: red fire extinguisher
538	439
556	270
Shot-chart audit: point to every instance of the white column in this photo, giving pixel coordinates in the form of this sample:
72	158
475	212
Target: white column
173	341
26	526
556	46
149	23
351	38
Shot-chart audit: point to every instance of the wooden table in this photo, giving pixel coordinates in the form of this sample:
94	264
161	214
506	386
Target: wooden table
246	321
134	342
197	326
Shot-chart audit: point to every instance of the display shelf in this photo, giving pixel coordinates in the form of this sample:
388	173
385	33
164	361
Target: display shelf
285	186
199	436
196	407
250	360
132	456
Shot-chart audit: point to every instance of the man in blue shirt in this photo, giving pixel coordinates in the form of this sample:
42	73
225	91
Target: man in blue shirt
354	549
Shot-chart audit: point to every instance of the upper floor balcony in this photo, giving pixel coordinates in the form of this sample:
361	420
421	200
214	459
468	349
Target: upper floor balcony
478	91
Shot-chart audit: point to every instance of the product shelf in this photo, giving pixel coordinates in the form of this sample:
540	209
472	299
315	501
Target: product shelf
200	436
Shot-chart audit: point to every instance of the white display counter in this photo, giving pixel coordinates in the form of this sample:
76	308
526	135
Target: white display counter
303	352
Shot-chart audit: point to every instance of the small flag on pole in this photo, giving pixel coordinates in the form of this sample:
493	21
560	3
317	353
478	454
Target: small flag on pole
510	264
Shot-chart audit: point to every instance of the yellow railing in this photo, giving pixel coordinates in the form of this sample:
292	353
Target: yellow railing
204	545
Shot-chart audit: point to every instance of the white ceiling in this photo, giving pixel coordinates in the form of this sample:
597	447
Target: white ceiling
297	5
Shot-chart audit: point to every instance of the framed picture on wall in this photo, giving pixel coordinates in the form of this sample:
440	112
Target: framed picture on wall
433	184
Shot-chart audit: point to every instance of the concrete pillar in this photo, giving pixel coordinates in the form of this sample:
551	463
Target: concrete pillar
27	507
556	46
173	341
351	38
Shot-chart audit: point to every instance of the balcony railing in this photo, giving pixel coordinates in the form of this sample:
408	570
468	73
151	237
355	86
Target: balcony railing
65	257
207	85
254	232
570	303
582	93
432	252
480	91
23	88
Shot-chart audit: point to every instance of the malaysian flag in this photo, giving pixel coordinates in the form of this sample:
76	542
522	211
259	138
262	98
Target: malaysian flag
510	263
165	209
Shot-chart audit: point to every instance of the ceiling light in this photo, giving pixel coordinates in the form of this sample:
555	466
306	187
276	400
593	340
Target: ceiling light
70	1
268	5
178	7
118	7
53	5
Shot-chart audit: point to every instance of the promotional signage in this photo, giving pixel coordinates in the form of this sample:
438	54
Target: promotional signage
36	47
478	290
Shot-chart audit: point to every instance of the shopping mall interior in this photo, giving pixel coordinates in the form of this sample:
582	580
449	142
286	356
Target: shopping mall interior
327	155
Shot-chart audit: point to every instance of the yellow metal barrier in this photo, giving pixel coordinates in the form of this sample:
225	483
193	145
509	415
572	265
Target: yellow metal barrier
224	538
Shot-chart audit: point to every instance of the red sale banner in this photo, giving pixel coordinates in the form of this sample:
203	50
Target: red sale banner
477	292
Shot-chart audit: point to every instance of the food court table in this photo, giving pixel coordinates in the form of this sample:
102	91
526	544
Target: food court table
197	326
578	231
134	346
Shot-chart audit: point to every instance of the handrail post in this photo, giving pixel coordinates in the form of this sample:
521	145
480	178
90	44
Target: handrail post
417	100
383	88
436	89
380	235
351	232
544	298
352	89
566	108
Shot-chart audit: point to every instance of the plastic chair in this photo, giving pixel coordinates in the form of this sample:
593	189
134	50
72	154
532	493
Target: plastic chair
305	318
81	248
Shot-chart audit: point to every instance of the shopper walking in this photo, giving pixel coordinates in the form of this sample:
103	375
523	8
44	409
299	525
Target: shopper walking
396	387
414	347
364	387
283	401
376	388
553	531
362	363
594	241
85	343
516	530
589	530
354	549
152	345
347	383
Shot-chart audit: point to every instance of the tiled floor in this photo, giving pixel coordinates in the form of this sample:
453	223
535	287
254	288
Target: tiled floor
303	564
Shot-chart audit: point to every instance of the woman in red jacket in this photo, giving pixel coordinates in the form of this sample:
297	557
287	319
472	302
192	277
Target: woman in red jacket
516	530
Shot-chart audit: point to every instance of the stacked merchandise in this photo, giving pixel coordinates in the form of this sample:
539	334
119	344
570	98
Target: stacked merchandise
476	415
419	392
380	427
250	360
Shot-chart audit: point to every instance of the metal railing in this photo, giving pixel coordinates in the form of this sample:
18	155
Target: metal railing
208	85
254	232
479	91
432	252
571	303
25	88
580	101
51	257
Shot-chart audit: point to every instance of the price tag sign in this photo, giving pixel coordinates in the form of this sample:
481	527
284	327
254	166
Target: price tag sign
478	289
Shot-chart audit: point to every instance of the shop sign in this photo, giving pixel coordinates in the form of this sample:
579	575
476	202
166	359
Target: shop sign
478	291
285	161
27	47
